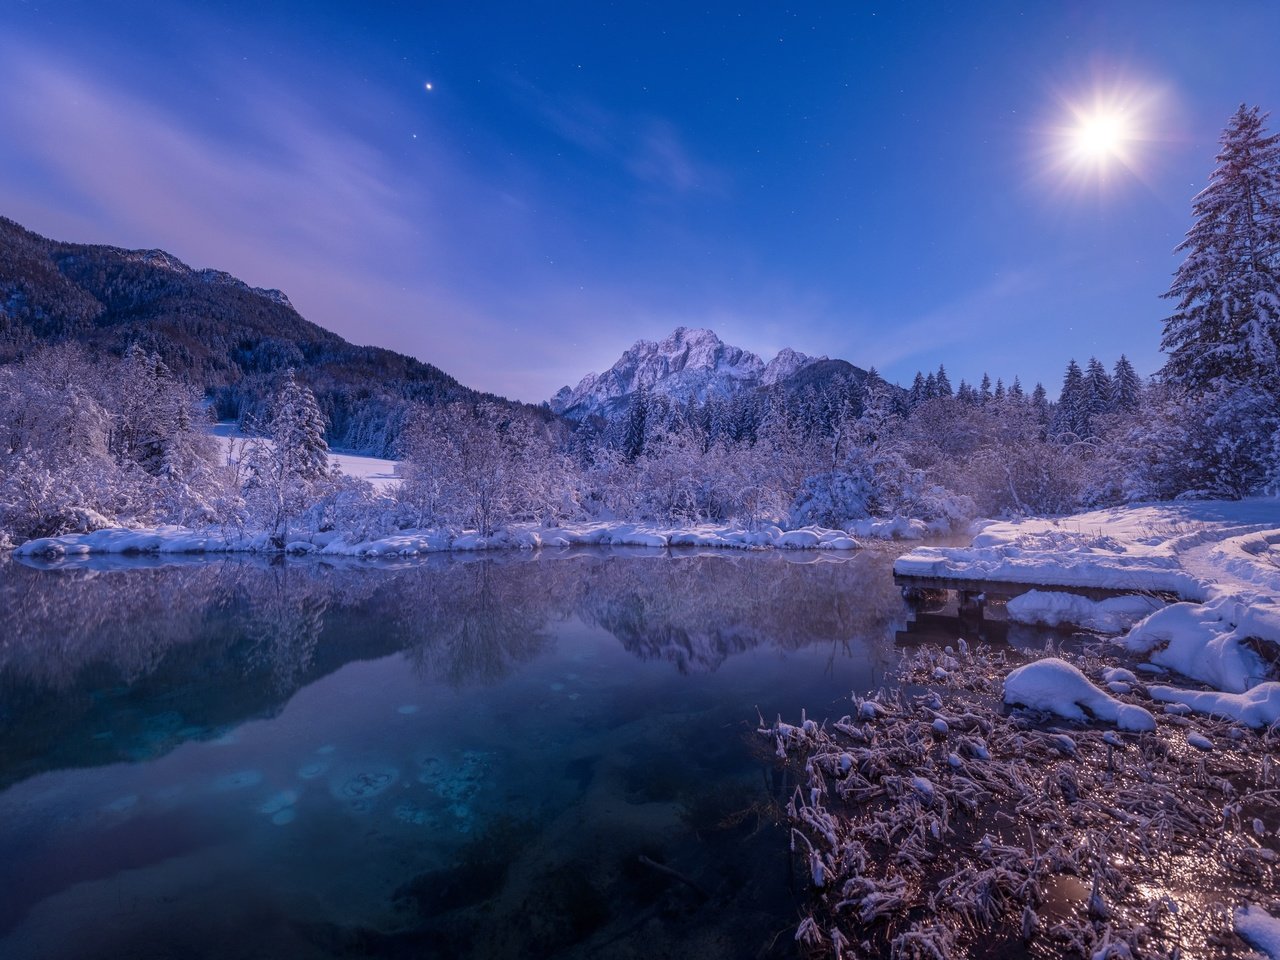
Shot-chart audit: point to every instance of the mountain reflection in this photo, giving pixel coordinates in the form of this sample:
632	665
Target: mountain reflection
127	661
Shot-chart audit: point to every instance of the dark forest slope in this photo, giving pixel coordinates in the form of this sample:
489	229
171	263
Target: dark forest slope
229	339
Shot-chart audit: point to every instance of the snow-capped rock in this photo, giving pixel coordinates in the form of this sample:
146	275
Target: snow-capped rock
786	364
688	364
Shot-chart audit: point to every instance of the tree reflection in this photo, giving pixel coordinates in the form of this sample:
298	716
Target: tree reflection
472	623
186	650
698	611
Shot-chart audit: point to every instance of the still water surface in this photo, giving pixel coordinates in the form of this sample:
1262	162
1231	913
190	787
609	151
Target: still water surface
454	757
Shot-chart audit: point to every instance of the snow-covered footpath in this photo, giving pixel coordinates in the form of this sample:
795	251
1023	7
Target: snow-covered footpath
1221	559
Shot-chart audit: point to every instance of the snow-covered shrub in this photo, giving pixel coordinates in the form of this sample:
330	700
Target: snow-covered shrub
1221	443
482	468
832	499
89	443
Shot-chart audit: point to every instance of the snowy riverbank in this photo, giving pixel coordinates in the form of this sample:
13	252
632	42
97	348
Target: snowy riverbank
1117	802
1220	559
405	543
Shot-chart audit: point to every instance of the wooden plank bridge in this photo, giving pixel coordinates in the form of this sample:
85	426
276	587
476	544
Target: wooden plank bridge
973	594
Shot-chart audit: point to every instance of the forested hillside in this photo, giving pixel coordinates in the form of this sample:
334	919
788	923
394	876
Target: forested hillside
229	340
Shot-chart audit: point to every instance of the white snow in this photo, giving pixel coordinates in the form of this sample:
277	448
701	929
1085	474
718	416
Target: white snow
1201	641
1054	607
1258	707
1055	686
1220	557
690	364
1200	741
896	528
1259	929
377	471
171	539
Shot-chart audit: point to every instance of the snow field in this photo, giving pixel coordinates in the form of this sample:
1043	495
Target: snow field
380	473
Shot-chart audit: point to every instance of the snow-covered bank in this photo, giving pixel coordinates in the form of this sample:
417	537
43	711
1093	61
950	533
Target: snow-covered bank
1054	608
414	542
1180	548
1221	557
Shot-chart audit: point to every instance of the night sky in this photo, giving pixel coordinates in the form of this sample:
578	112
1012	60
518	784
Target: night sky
889	184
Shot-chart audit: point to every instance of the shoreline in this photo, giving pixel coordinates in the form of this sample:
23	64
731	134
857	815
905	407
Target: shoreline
407	543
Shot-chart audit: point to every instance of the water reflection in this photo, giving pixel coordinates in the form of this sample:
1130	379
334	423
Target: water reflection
462	756
84	647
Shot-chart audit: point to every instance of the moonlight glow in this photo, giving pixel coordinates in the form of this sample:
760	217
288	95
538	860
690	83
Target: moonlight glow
1101	136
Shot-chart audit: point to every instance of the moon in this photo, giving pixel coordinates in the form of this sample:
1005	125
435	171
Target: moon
1100	136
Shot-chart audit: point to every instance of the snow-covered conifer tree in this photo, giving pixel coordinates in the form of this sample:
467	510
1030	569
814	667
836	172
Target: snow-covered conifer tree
1096	399
1227	321
943	382
917	394
286	468
1126	388
1069	419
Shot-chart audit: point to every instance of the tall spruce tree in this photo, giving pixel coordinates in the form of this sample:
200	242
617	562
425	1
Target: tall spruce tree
1227	323
297	429
1068	418
1097	401
943	382
1125	386
635	430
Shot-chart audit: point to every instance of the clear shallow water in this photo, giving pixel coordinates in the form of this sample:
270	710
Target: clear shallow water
449	757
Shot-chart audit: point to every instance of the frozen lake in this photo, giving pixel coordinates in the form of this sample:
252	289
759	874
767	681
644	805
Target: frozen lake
461	757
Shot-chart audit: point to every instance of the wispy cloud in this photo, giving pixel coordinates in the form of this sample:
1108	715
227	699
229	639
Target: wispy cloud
978	313
650	149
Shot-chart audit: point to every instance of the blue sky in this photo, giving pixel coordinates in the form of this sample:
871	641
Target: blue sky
881	183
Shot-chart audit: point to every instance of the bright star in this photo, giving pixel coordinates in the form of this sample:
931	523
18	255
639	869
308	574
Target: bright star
427	86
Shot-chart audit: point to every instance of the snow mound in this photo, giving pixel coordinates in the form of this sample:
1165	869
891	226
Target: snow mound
1055	608
1057	687
1259	707
894	528
1259	929
1203	642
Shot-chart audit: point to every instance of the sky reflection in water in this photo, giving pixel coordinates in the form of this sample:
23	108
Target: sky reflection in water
456	757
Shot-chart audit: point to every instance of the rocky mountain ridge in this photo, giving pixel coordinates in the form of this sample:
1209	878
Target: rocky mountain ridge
689	364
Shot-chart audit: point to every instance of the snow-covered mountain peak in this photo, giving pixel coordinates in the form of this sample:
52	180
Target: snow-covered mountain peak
787	363
688	364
